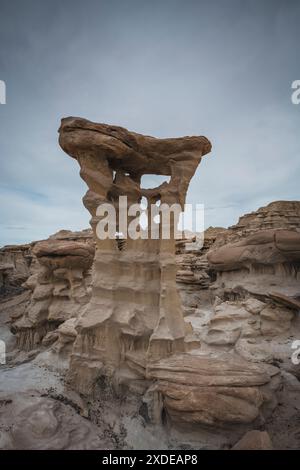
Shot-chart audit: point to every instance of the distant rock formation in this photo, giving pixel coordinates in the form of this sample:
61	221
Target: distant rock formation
15	262
260	254
283	215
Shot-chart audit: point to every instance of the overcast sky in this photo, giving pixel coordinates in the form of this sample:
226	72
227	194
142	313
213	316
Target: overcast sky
220	68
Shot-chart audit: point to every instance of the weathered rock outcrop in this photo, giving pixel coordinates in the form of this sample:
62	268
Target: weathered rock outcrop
233	321
267	247
15	262
283	215
134	315
256	290
211	390
261	254
59	285
31	422
194	275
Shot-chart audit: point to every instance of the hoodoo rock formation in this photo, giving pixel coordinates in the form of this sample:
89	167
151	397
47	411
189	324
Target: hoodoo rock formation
157	345
134	315
60	285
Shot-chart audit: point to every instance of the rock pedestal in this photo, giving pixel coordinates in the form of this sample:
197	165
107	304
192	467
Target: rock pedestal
134	315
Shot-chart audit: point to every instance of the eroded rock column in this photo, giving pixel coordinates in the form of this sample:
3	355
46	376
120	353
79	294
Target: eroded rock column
134	316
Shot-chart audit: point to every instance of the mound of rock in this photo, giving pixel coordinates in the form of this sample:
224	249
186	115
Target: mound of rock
31	422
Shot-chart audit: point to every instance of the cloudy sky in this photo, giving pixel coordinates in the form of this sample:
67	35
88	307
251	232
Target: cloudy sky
220	68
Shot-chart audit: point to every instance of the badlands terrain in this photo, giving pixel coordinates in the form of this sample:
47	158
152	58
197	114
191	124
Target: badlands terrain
147	344
241	295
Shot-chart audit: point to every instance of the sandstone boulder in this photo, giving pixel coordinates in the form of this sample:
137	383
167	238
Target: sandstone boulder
210	390
254	440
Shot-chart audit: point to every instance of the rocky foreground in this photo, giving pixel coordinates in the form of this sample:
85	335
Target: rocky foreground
232	385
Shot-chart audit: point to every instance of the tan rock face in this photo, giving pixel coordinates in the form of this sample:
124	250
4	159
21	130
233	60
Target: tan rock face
249	319
15	262
254	440
59	285
210	390
38	423
269	247
64	254
260	255
283	215
135	308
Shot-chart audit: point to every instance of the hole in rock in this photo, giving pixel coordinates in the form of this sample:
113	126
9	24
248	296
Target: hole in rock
153	181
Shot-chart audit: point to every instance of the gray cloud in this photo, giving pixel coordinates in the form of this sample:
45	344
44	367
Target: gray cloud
166	68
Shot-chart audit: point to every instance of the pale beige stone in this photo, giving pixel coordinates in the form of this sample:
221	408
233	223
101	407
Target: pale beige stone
254	440
253	305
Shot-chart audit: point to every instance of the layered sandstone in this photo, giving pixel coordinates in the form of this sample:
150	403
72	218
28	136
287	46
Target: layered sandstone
283	215
261	253
15	263
194	275
59	286
256	289
211	390
134	315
